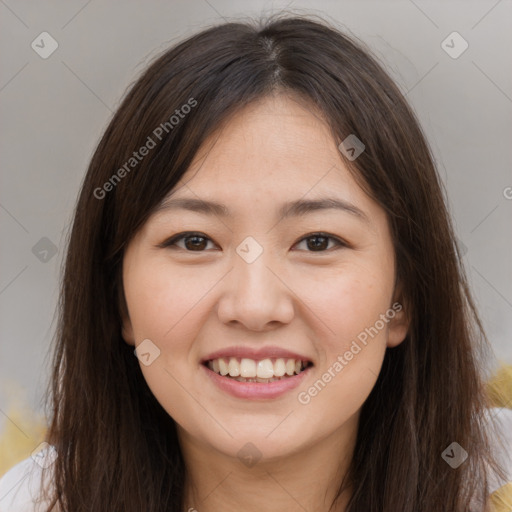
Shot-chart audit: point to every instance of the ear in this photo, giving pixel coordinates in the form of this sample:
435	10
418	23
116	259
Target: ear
398	326
127	331
126	324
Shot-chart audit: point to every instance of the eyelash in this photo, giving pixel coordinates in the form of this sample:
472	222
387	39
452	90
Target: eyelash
171	242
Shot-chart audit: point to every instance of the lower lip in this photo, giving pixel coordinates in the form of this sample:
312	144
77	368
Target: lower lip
256	390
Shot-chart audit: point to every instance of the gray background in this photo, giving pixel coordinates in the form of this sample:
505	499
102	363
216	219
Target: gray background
54	111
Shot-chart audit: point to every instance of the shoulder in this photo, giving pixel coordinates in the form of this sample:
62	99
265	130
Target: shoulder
20	487
501	442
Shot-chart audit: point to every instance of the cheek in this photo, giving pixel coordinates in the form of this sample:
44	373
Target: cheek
348	303
350	352
354	342
163	307
340	389
161	302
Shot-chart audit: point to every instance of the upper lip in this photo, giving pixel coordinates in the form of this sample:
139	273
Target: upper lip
255	353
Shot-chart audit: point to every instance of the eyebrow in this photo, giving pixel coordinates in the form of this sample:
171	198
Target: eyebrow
299	207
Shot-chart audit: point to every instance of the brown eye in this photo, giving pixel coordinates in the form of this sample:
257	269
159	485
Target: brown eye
195	243
192	242
319	242
198	242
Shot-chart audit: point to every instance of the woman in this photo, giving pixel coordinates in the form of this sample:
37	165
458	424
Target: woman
263	227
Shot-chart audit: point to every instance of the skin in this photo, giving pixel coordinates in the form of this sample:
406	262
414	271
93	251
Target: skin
190	303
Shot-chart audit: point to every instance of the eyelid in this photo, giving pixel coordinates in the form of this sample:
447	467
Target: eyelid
339	241
170	242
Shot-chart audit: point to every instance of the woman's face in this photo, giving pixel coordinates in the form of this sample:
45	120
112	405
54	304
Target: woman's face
263	286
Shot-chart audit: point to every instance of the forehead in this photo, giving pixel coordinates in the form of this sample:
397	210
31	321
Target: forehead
274	149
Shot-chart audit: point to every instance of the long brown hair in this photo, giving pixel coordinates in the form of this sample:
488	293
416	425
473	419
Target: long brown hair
117	447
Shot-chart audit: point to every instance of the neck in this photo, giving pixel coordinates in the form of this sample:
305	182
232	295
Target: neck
306	480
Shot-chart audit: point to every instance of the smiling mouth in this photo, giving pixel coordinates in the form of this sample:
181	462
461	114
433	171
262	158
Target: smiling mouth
252	370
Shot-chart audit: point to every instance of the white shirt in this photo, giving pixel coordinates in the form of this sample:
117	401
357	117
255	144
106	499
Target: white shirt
19	487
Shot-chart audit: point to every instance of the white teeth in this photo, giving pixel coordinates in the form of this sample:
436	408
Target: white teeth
234	367
250	370
265	369
279	367
223	367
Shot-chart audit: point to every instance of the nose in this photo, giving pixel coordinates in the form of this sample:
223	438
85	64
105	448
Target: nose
256	294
